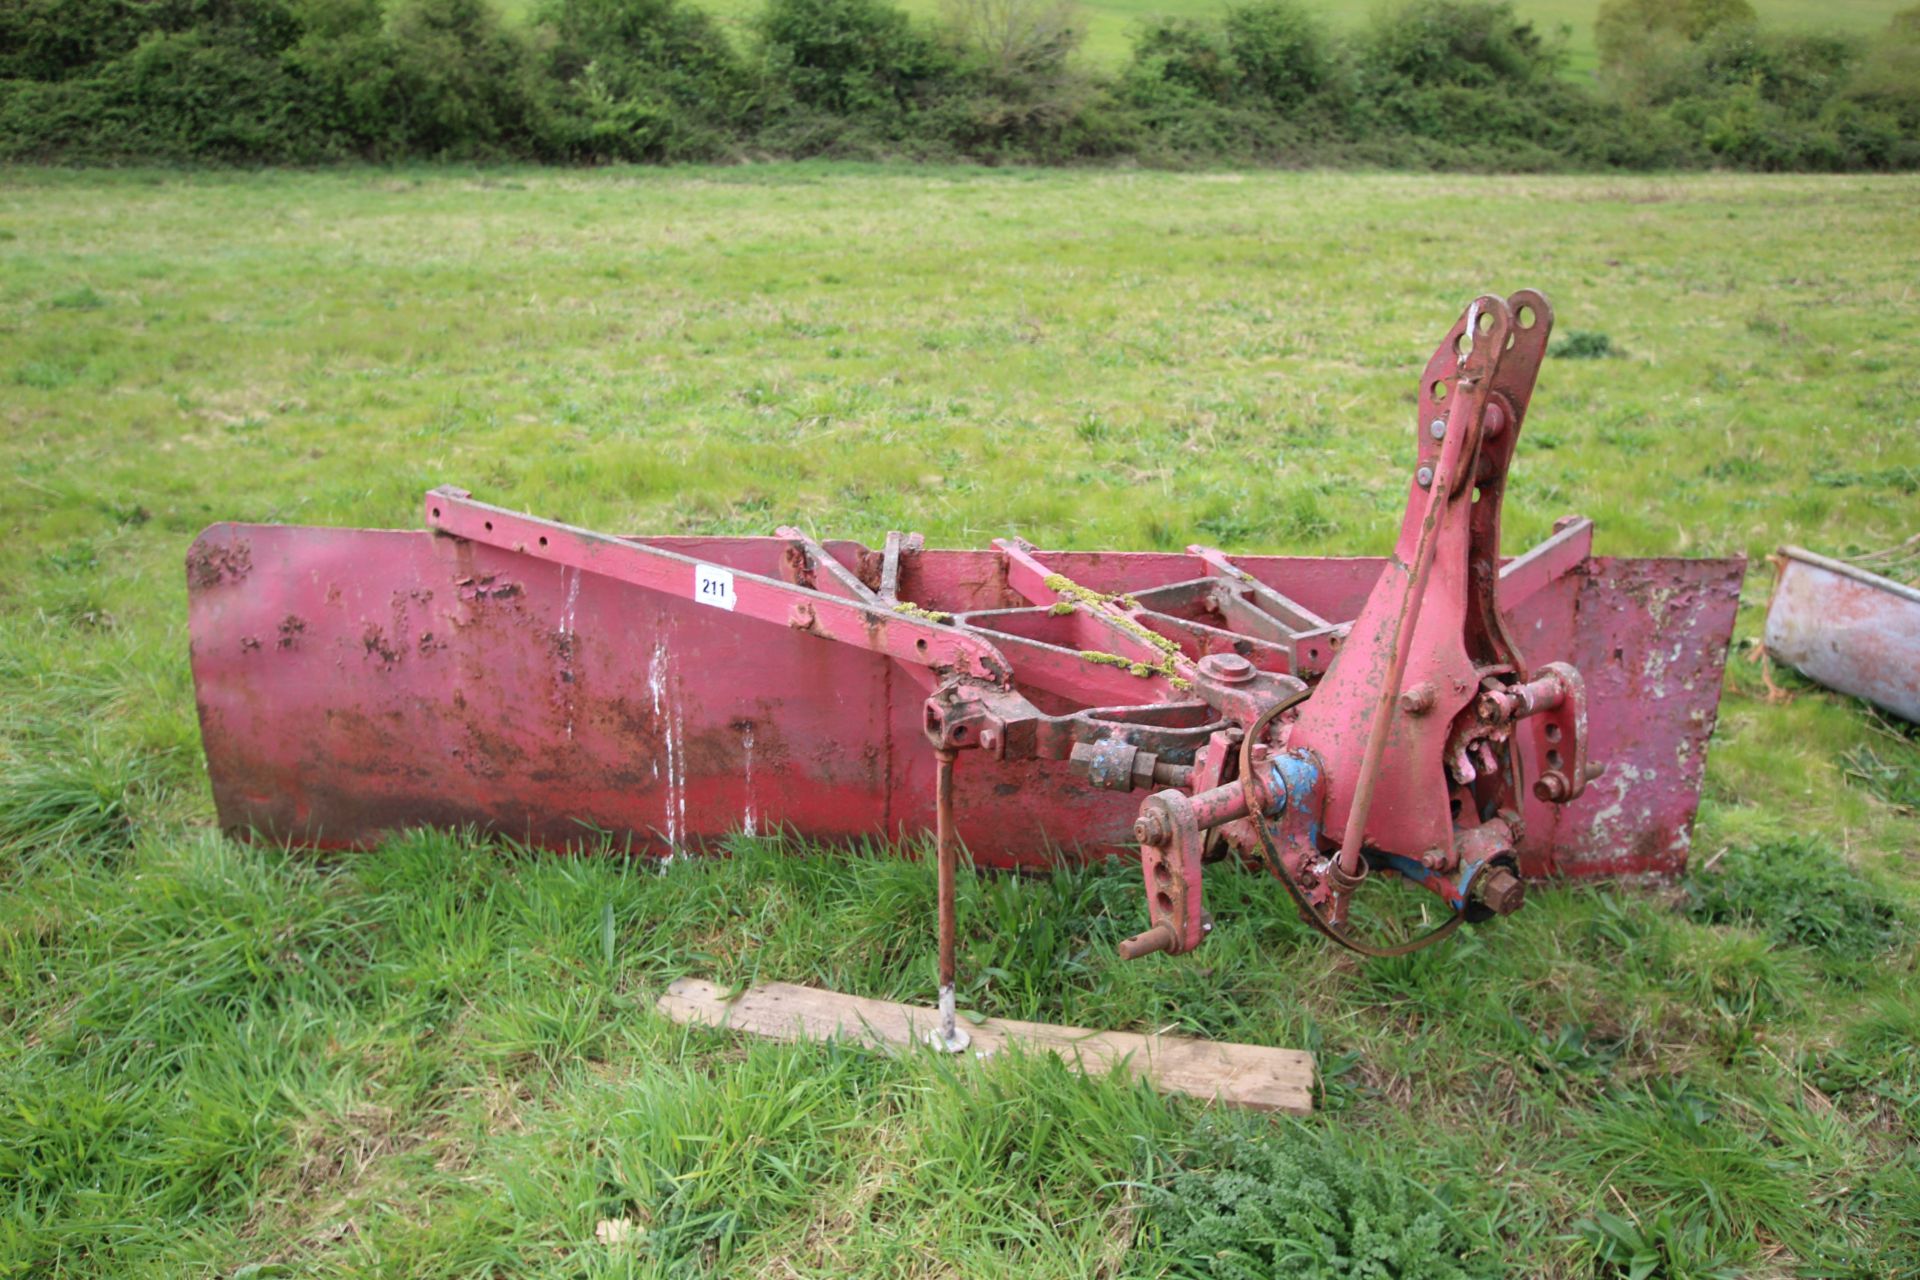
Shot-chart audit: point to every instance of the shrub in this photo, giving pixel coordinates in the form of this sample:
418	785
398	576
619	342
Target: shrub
641	80
170	81
1470	43
1017	91
345	59
1180	60
1280	53
852	57
1014	39
1476	79
461	82
55	40
1644	40
1887	80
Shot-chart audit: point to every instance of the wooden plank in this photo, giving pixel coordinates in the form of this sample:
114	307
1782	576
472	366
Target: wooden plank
1241	1075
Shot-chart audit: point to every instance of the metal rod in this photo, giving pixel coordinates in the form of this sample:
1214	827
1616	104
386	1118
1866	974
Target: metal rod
948	1035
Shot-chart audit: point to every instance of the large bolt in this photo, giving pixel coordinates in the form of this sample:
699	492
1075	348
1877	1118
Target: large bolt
1418	700
1151	828
1227	668
1503	892
1551	787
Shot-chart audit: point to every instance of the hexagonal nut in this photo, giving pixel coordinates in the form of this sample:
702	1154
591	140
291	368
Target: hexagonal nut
1152	826
1503	892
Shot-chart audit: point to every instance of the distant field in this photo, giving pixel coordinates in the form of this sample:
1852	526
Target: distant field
1110	22
439	1059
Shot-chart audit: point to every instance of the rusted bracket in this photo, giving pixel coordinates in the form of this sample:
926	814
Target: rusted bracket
1294	618
1555	701
866	624
1546	563
1256	608
814	557
1171	852
899	545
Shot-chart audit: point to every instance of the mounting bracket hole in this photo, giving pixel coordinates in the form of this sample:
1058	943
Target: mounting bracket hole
1438	390
1524	317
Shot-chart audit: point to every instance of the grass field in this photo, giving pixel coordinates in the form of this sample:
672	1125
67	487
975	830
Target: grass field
439	1059
1110	24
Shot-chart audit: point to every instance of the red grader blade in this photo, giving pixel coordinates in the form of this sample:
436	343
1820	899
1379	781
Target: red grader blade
1443	715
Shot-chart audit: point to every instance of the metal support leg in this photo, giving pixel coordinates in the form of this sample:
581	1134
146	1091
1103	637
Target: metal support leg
948	1035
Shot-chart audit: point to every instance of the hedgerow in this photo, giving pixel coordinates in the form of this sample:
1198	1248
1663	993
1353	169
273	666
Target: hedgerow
1434	83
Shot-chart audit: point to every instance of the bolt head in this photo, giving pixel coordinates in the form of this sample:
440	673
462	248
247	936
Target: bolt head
1437	429
1504	892
1228	668
1424	476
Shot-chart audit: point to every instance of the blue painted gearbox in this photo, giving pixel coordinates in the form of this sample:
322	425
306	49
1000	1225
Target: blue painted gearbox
1296	779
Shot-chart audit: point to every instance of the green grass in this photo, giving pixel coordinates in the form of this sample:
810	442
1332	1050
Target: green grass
439	1059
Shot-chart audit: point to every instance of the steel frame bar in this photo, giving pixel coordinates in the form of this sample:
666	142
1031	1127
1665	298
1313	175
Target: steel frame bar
905	637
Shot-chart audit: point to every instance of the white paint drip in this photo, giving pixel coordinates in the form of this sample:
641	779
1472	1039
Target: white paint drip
667	715
746	755
572	588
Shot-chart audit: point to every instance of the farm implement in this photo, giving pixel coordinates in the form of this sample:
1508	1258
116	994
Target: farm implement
1442	717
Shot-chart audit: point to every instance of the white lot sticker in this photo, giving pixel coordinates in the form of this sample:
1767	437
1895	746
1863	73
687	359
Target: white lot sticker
713	586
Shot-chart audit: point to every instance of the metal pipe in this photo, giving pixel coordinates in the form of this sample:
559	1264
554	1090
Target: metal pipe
948	1035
